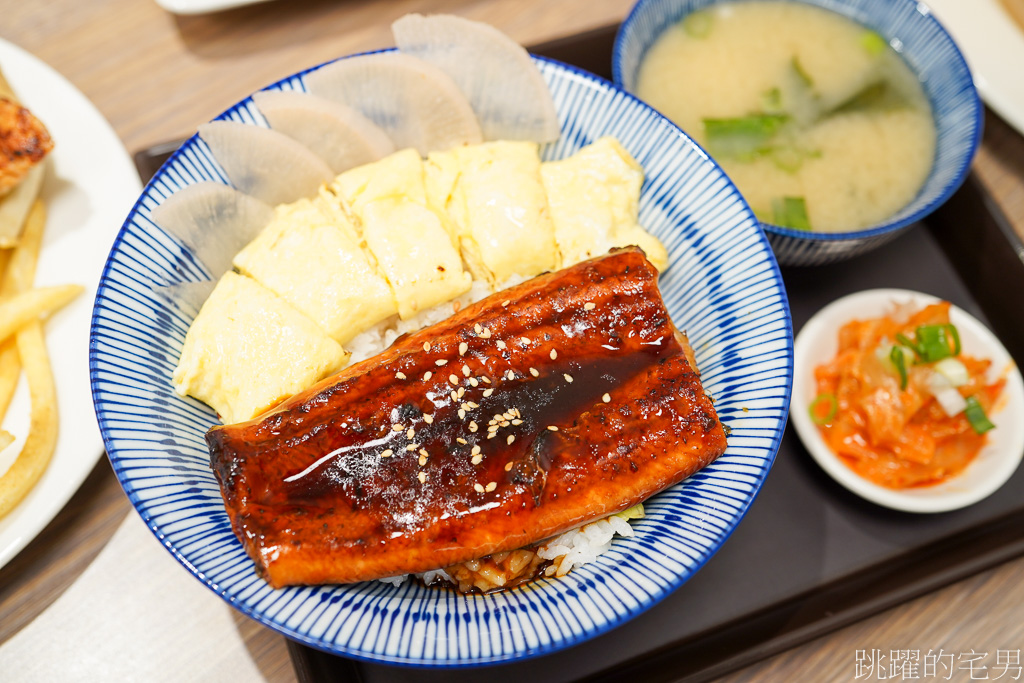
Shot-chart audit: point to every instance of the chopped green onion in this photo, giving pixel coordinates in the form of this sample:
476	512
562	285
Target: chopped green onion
873	43
933	342
954	371
896	356
952	333
977	417
771	100
791	212
816	405
698	24
798	69
788	159
743	137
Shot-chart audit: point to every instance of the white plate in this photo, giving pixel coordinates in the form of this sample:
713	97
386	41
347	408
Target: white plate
817	343
90	187
202	6
993	44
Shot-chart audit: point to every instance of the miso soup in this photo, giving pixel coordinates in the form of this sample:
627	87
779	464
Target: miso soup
819	122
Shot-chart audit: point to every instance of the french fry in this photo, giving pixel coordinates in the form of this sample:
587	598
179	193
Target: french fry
16	204
18	276
42	436
21	269
22	308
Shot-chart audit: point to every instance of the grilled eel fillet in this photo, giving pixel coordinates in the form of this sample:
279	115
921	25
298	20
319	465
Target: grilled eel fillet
551	404
24	141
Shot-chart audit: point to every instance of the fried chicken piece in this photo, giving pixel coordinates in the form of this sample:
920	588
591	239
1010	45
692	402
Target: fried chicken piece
24	141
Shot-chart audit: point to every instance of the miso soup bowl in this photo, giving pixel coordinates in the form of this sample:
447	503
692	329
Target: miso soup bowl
909	27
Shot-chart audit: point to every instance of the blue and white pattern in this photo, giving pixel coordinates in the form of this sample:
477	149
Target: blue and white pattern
723	288
911	30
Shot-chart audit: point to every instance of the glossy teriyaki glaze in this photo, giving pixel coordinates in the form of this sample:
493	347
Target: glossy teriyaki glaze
559	401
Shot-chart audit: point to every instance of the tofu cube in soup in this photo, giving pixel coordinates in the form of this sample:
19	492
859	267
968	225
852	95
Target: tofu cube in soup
310	256
248	350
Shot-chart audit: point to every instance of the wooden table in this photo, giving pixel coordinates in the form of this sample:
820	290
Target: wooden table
155	76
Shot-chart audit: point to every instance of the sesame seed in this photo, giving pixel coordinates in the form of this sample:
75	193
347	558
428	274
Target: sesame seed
465	371
589	306
492	429
455	395
508	415
517	422
508	466
478	488
426	346
568	377
462	414
554	354
461	440
427	375
606	398
454	379
463	347
553	428
439	362
462	392
486	334
510	439
492	435
498	417
485	380
473	426
473	382
397	427
472	405
533	371
515	411
476	449
505	303
410	433
400	375
411	447
387	453
501	344
490	487
477	328
504	423
423	452
465	406
524	340
429	419
511	374
477	459
422	477
488	392
423	460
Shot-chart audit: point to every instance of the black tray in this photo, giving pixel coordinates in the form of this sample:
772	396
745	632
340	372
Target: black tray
810	557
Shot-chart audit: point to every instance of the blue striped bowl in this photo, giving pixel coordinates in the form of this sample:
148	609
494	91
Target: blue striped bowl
723	288
911	29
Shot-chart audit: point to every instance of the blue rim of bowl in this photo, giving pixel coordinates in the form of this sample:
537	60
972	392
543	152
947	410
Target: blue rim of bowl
550	648
856	235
